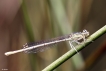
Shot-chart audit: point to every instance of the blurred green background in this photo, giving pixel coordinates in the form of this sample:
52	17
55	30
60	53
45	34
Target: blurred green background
23	21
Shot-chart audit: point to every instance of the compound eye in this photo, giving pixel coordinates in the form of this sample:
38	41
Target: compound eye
86	33
84	30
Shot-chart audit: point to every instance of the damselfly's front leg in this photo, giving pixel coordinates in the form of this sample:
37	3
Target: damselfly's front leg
70	42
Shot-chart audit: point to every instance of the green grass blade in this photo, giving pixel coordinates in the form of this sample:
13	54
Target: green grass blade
72	52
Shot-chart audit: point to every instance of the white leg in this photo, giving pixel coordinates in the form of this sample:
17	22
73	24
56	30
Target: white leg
72	46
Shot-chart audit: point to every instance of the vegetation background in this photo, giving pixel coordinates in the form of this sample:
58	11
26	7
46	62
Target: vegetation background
23	21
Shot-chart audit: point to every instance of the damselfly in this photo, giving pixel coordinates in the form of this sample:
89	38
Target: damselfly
42	45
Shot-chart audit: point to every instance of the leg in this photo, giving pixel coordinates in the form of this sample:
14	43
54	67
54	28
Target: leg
72	46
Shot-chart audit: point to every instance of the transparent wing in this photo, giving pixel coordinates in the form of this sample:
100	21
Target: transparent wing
42	48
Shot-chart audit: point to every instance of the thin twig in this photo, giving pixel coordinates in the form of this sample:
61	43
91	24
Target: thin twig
72	52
